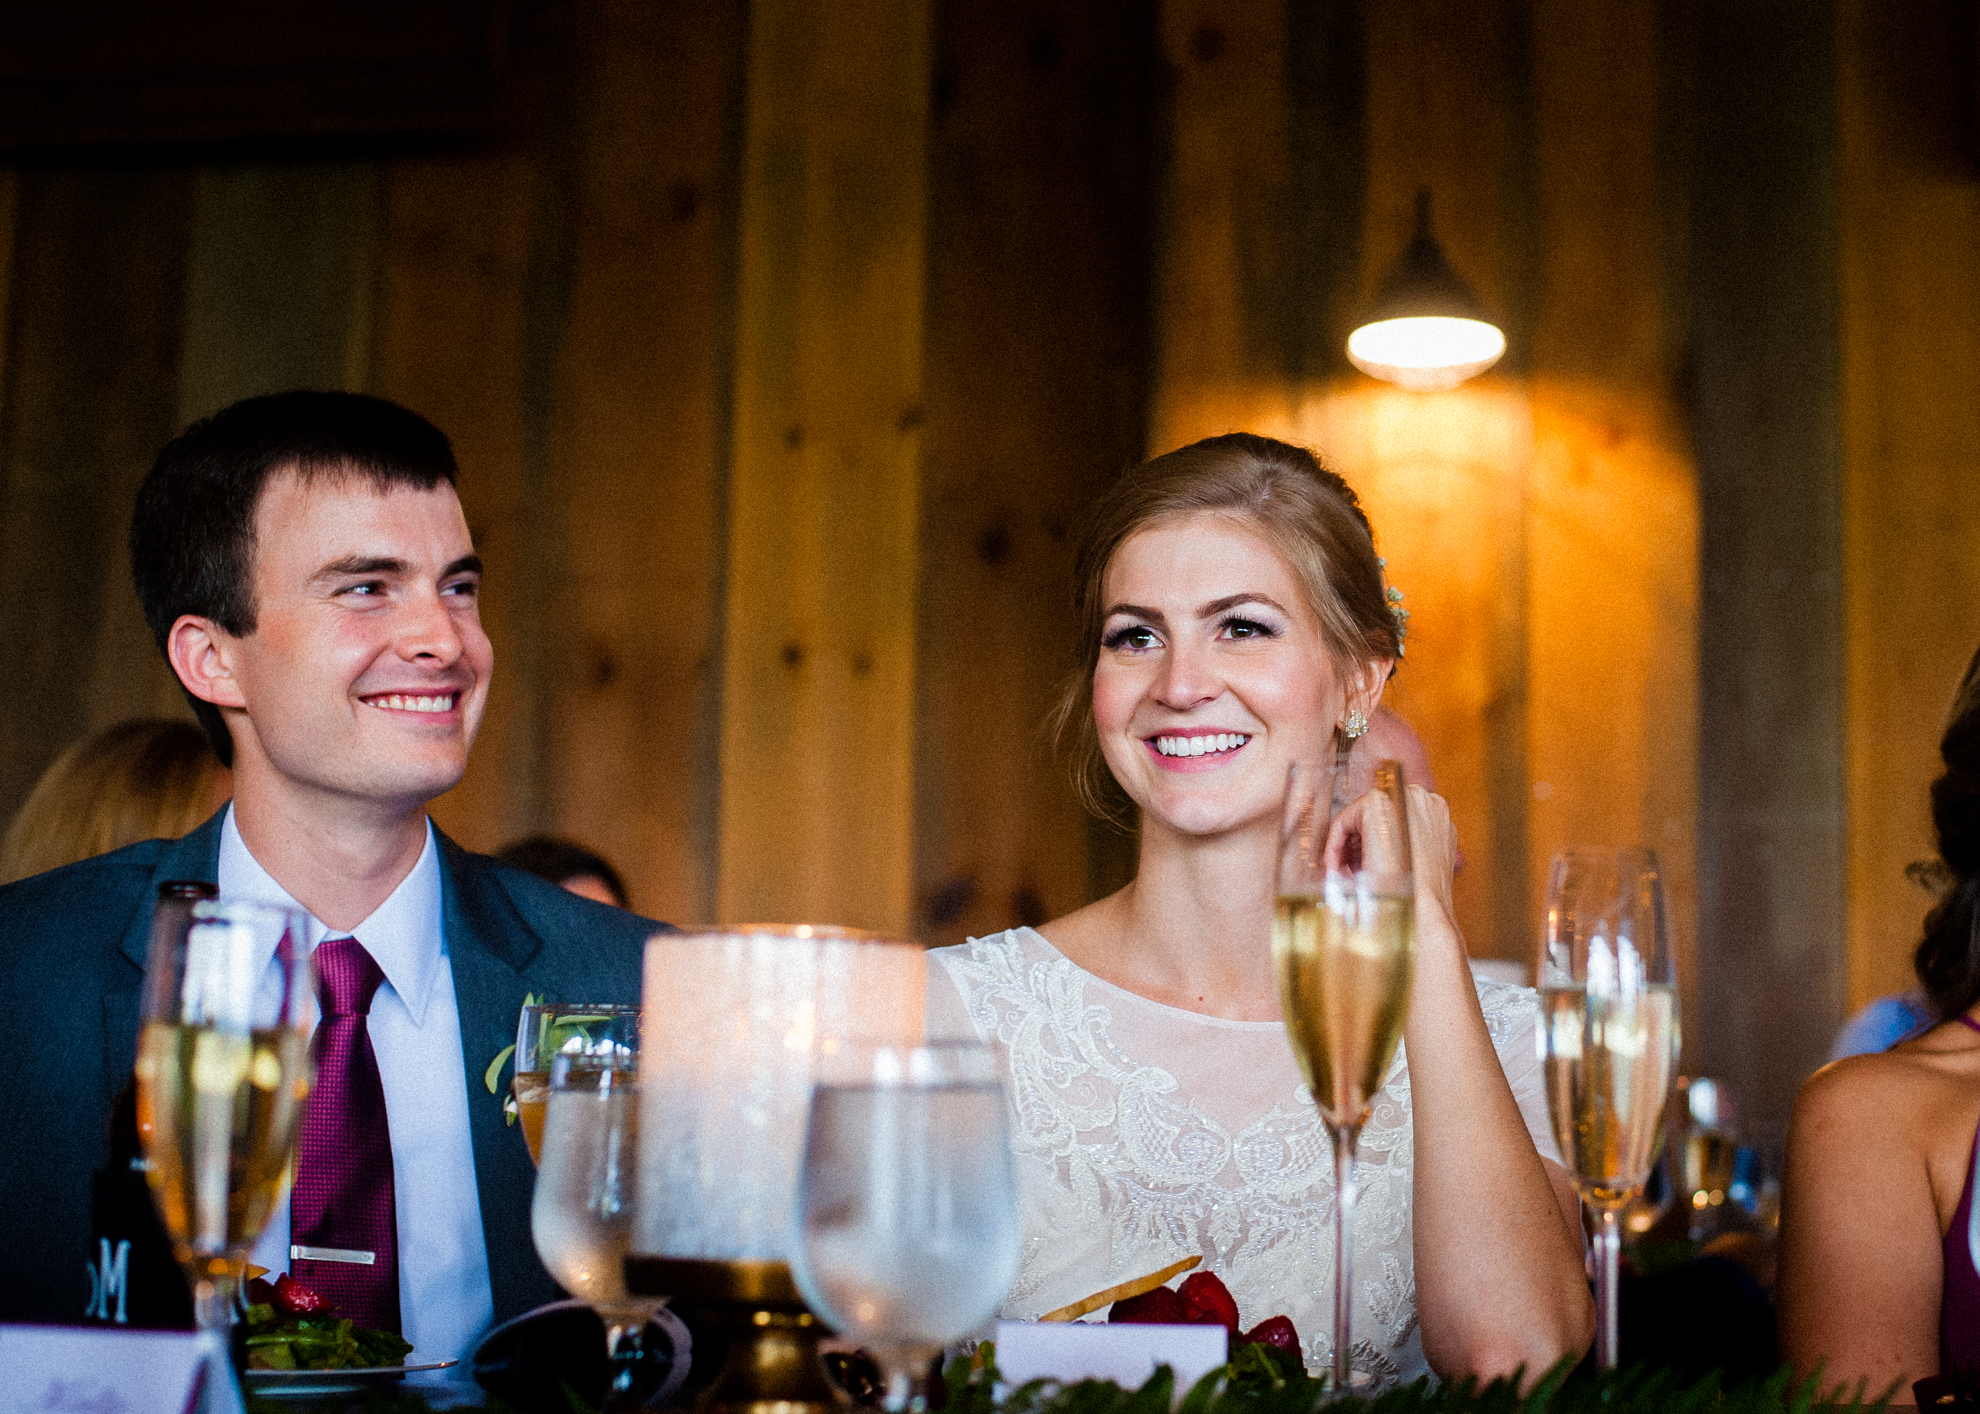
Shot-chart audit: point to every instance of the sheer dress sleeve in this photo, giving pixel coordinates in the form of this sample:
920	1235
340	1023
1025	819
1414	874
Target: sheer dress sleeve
1512	1015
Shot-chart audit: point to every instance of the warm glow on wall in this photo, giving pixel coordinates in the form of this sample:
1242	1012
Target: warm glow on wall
1426	329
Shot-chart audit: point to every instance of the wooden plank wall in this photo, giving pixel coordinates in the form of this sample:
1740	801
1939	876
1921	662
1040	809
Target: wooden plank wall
628	705
1910	328
1612	535
1765	415
278	283
818	685
93	343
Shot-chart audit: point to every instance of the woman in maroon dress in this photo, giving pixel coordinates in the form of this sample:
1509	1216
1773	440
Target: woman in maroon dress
1877	1281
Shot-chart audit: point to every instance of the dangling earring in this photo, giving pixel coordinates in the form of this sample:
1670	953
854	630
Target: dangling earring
1354	725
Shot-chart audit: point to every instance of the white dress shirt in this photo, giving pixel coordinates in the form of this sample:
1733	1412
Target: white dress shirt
445	1302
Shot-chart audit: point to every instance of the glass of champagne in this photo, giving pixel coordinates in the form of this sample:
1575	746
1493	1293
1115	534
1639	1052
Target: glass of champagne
546	1030
1344	950
223	1068
582	1214
908	1234
1609	1039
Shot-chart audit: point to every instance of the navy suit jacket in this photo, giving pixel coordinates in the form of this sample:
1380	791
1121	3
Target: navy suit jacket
72	957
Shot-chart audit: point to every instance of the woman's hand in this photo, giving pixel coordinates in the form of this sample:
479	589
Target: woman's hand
1358	837
1433	855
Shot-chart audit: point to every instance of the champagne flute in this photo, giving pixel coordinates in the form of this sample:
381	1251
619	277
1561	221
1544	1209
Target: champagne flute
223	1068
1608	1038
1344	950
908	1233
548	1029
582	1214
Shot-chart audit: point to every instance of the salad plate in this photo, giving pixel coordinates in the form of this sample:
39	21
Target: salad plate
278	1383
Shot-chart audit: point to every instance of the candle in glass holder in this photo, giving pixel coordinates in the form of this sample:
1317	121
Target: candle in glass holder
735	1024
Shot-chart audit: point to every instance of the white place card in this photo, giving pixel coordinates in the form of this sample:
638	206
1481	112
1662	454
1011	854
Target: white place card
97	1370
1096	1350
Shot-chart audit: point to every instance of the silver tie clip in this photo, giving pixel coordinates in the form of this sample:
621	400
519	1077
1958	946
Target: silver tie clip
332	1254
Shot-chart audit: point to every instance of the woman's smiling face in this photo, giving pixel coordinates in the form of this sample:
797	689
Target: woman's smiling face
1213	677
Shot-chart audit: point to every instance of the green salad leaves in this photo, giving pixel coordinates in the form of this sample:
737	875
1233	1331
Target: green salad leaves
281	1342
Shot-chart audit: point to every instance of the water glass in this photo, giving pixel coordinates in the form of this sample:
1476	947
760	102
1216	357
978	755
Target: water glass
581	1217
908	1235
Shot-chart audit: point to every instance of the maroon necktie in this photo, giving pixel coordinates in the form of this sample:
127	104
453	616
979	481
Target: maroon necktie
343	1232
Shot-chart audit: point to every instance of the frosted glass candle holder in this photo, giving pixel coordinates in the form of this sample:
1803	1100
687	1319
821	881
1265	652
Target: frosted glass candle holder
735	1024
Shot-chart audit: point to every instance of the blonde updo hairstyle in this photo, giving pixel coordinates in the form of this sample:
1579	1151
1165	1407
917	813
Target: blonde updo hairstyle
1277	491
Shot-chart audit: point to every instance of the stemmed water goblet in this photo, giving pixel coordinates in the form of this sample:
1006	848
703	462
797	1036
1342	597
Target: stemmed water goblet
1344	949
1608	1038
586	1183
223	1068
908	1235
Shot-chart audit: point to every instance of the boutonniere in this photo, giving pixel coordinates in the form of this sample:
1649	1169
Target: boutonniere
492	1077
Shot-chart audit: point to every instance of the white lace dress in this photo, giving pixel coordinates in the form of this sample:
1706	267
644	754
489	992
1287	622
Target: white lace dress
1144	1134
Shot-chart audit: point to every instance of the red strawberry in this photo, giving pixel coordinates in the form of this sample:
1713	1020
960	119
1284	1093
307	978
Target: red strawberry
1209	1301
1276	1332
292	1297
1160	1307
260	1292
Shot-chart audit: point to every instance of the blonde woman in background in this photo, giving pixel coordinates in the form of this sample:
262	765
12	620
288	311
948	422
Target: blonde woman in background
142	779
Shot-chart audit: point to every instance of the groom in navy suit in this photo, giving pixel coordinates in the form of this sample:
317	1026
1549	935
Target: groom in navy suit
305	567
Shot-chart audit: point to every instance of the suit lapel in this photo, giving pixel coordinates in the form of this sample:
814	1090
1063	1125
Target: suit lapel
197	856
489	946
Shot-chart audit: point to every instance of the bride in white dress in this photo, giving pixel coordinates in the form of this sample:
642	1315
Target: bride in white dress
1231	615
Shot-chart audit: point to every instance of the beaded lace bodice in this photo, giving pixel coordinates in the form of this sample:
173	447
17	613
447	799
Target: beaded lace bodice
1144	1134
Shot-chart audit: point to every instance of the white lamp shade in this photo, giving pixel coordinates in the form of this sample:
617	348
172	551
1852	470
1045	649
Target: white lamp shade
1426	352
733	1027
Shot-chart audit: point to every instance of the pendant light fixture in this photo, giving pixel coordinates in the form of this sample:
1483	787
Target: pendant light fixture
1426	329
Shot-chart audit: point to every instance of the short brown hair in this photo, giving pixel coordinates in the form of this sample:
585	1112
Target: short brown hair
192	532
138	780
1283	493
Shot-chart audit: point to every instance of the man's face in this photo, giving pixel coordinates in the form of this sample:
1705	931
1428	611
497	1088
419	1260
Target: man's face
367	671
